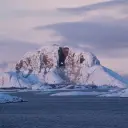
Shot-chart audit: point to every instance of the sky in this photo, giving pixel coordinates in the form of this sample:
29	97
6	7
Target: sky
99	26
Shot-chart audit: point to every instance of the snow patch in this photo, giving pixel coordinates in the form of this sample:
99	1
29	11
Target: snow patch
119	93
5	98
41	87
53	78
76	93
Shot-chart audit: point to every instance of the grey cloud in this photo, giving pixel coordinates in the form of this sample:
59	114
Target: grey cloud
23	13
100	36
3	65
31	13
35	13
13	50
38	13
125	76
101	5
106	39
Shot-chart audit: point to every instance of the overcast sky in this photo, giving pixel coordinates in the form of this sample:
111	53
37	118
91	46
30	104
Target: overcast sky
99	26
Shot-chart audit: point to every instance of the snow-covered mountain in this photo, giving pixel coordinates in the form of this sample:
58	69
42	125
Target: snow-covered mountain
53	65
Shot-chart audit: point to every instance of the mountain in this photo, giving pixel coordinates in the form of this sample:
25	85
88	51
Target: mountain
55	65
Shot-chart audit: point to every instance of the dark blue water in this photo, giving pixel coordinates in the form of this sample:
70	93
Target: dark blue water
43	111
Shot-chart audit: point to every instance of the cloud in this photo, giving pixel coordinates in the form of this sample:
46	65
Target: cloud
34	13
43	4
102	11
103	29
99	36
95	6
3	65
99	26
13	50
125	76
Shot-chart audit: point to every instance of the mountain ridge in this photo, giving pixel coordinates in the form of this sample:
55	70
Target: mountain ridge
61	65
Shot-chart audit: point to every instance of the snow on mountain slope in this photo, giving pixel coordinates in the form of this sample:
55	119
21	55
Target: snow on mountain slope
11	79
103	76
53	78
60	65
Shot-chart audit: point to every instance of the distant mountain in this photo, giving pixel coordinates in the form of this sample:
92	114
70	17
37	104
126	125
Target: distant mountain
54	64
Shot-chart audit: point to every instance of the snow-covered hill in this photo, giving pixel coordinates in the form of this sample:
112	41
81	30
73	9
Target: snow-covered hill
55	65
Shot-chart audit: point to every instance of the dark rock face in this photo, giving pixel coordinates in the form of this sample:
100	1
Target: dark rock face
62	54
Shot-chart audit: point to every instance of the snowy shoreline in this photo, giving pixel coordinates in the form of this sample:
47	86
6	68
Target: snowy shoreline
6	98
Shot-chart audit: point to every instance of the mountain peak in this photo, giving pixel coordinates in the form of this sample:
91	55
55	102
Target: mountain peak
59	65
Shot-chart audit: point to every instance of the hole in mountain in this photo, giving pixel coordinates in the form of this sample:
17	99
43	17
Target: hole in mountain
62	53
